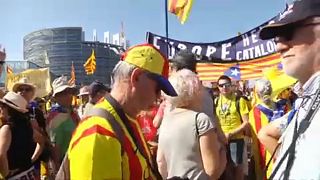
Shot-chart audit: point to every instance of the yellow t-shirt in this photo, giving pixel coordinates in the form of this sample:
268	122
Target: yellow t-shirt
95	151
228	115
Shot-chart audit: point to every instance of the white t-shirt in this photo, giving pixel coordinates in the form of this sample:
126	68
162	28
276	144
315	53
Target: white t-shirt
306	164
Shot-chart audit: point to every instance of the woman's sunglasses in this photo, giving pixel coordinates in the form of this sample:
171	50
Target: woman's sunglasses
24	89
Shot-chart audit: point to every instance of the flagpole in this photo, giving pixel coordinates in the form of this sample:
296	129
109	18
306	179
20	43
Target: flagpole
167	27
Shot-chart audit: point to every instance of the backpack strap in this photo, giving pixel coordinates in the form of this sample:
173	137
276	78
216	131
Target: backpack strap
215	103
113	122
238	107
196	123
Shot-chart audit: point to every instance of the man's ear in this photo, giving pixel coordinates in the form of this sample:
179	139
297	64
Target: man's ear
136	76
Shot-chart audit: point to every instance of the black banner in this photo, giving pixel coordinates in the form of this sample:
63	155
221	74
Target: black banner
245	47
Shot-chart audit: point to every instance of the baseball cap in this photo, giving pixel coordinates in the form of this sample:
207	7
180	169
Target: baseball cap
84	91
96	86
296	12
149	58
184	59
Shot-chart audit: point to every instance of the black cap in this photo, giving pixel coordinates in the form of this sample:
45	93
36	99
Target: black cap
298	11
96	87
184	60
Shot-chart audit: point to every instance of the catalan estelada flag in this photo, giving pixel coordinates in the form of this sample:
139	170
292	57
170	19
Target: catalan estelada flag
181	8
9	70
258	118
90	65
247	70
72	80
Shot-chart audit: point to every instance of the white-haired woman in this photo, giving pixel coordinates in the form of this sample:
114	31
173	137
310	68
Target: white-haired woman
188	144
261	114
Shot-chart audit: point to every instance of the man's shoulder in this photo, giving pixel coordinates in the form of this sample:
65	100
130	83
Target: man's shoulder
98	118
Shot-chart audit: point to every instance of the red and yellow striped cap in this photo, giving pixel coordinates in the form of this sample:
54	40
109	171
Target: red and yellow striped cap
149	58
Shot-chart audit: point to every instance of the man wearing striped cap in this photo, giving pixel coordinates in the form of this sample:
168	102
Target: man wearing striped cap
109	144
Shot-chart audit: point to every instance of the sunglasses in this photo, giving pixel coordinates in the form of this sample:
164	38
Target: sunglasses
288	33
225	85
153	77
26	89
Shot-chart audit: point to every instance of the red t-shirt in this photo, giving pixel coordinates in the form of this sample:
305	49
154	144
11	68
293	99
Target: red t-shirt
146	124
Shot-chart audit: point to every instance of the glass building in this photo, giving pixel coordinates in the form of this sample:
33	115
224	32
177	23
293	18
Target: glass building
57	48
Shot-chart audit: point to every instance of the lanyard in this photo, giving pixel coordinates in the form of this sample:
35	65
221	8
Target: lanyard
298	130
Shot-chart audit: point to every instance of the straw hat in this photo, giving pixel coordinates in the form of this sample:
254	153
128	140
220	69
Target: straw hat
15	101
60	84
23	82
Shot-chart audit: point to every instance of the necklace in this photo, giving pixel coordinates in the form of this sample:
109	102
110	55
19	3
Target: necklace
225	106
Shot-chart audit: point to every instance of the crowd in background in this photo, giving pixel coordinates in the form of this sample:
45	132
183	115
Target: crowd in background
149	125
204	131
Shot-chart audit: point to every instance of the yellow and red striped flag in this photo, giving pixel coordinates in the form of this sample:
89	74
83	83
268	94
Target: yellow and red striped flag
72	80
181	8
90	65
9	70
247	70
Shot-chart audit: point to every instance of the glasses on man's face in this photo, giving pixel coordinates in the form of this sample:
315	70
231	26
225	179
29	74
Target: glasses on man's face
24	89
288	33
153	77
225	85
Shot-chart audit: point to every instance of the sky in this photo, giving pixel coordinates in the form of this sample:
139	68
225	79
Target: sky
209	20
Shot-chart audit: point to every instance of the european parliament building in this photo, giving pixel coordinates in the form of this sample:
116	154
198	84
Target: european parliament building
57	48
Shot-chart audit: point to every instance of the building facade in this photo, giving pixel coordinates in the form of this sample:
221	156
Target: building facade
57	48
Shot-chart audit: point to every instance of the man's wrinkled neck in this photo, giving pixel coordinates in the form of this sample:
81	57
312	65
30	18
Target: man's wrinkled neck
122	97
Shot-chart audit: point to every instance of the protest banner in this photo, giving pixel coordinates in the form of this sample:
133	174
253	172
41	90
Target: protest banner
38	77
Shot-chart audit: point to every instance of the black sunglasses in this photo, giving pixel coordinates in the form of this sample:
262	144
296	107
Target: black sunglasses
26	89
225	85
287	34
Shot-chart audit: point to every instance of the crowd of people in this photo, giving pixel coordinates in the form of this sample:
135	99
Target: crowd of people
157	120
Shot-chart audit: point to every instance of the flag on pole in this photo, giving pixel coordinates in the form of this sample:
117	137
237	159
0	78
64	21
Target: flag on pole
180	8
9	70
72	80
90	65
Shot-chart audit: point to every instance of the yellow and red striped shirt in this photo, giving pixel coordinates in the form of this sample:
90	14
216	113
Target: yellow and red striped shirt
95	152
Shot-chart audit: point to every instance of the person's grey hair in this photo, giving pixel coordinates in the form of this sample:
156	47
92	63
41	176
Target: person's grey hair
263	88
122	70
188	87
